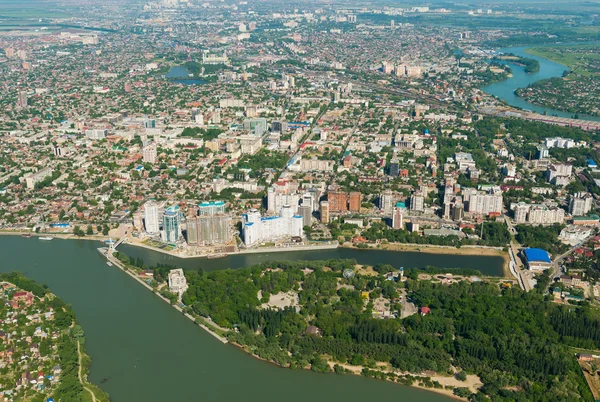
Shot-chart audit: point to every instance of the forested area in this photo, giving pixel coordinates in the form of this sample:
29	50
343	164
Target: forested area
516	342
544	237
494	234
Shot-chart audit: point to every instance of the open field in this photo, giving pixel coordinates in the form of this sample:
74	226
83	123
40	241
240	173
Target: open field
581	59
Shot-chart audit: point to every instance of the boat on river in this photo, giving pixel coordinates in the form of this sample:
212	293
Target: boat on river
213	256
48	238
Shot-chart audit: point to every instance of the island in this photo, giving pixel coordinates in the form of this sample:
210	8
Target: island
42	356
459	333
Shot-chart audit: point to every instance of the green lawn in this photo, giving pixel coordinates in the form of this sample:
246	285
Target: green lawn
577	59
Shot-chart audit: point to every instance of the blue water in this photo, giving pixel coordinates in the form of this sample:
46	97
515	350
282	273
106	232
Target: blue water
182	72
520	79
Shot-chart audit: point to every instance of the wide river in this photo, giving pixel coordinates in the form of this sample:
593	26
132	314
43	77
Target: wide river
506	89
148	352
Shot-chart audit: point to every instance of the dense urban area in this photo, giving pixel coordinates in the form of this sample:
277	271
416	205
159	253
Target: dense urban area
210	129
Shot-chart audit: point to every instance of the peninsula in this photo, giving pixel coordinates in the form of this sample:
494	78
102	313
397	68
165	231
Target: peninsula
43	348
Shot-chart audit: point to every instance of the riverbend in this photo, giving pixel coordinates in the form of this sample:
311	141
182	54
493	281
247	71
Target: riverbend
144	350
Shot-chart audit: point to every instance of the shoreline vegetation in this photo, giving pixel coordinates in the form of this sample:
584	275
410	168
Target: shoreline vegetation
326	316
73	383
531	65
424	248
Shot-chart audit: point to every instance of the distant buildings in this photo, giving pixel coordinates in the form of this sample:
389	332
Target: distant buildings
22	102
149	153
559	174
537	214
31	179
257	229
96	134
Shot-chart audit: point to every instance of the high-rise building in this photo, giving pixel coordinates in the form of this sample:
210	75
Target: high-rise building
22	101
149	153
324	212
398	218
394	167
306	212
257	229
354	201
580	204
215	117
386	202
485	204
278	126
213	229
338	201
417	202
277	199
211	208
152	217
171	230
199	118
458	211
57	151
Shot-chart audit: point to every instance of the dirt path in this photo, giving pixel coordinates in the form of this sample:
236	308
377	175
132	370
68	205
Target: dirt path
80	376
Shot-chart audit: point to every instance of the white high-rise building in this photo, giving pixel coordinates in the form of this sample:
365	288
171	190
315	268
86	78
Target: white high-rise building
199	119
580	204
149	153
152	217
386	202
398	218
485	204
276	200
257	229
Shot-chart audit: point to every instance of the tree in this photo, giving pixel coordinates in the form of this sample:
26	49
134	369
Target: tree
78	232
90	230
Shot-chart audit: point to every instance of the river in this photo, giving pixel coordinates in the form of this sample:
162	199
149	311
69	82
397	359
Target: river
488	265
150	353
506	89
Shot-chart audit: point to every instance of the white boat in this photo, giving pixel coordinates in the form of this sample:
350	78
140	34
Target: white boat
46	237
109	263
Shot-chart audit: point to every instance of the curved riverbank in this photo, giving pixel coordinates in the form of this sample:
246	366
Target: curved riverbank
505	90
144	352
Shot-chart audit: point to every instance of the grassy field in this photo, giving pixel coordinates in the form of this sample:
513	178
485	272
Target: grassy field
581	59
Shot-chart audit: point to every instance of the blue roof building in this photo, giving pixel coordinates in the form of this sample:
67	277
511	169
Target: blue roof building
537	259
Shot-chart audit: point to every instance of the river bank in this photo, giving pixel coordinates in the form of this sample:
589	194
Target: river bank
505	90
446	250
128	271
355	370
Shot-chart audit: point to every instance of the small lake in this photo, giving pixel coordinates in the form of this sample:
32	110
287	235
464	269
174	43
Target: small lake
506	89
181	75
